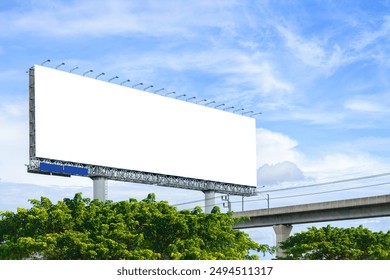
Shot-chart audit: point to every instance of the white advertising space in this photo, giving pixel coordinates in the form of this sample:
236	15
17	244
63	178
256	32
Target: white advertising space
89	121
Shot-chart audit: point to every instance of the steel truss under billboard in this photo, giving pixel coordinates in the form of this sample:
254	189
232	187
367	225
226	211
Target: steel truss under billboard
132	176
49	125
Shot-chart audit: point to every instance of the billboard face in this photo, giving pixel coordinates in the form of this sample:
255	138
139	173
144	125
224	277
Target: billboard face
85	120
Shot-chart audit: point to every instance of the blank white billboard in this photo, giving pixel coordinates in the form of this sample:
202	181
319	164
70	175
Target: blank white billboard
85	120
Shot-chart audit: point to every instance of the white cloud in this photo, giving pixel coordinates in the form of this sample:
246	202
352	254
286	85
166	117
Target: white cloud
336	164
364	106
12	126
273	148
341	159
312	51
368	38
258	72
240	78
281	172
372	144
313	115
56	18
100	18
373	103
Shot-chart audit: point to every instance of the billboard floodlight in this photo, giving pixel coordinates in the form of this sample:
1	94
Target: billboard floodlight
197	102
89	71
181	95
248	112
113	78
59	65
228	108
259	113
101	74
46	61
159	90
136	85
193	97
169	93
71	70
235	111
208	103
125	82
148	87
220	105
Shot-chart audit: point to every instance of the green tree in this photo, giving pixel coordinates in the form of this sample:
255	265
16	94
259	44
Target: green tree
332	243
81	228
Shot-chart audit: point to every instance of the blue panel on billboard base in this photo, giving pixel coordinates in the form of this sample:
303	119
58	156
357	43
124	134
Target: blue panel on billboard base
75	170
63	169
50	167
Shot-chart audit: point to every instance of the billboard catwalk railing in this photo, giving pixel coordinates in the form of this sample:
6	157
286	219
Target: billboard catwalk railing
42	166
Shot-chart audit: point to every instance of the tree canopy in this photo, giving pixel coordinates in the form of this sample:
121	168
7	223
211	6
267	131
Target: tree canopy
81	228
332	243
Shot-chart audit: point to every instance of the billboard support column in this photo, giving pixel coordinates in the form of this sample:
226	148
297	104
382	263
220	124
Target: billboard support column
209	201
100	188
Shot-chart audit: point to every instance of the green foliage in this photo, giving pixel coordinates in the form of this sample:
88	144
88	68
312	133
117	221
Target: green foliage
81	228
331	243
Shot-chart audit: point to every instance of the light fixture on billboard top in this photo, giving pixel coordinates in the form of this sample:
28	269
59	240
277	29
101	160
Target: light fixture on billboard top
113	78
122	83
59	65
46	61
208	103
181	95
86	72
101	74
148	87
203	100
136	85
159	90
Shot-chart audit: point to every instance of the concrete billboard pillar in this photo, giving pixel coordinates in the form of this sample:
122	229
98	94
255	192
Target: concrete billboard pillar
100	188
282	232
209	201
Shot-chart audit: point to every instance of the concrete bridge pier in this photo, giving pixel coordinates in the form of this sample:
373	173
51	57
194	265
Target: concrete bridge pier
282	232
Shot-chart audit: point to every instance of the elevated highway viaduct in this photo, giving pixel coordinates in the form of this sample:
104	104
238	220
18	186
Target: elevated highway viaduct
283	218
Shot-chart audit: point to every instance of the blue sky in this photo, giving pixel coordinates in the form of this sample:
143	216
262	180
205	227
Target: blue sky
317	70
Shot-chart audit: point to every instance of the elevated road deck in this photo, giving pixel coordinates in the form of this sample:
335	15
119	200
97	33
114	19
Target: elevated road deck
282	218
359	208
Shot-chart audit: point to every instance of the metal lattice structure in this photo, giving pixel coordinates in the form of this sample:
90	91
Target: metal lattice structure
146	178
31	96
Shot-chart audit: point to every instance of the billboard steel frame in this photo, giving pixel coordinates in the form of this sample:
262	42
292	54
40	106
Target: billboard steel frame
124	175
141	177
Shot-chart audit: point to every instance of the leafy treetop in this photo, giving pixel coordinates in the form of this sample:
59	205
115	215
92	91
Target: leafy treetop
332	243
81	228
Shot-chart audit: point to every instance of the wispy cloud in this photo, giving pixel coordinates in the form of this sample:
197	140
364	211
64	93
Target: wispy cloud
312	51
102	18
371	35
374	103
234	75
364	106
